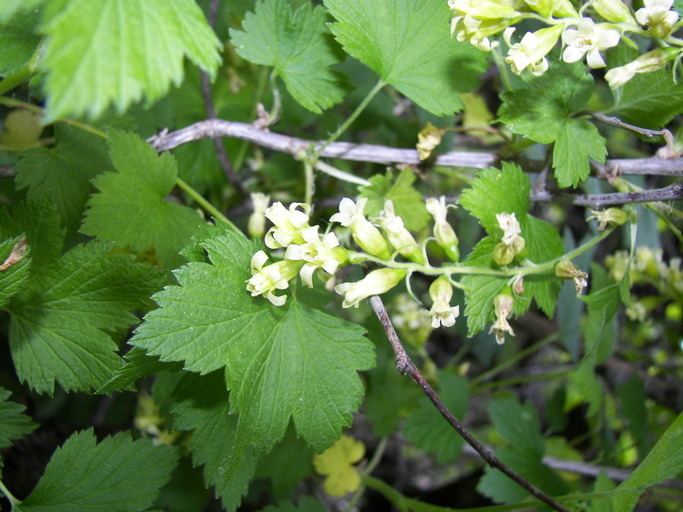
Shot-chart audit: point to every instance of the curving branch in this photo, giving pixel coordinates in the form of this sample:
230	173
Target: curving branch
671	193
217	128
405	365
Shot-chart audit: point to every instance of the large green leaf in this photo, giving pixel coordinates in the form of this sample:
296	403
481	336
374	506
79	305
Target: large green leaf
578	142
13	422
295	44
408	44
17	39
113	52
281	363
16	274
117	475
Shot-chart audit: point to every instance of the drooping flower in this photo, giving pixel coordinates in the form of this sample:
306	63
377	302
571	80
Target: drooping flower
658	16
288	224
475	21
266	279
615	216
399	237
589	39
567	270
646	63
442	313
352	215
503	304
511	243
317	252
375	283
256	225
530	53
443	232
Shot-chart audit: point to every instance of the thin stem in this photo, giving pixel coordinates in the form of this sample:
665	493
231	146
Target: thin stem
309	182
13	500
615	121
206	205
340	175
405	365
522	379
349	120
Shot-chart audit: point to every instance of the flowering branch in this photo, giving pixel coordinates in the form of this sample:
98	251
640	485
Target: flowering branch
405	365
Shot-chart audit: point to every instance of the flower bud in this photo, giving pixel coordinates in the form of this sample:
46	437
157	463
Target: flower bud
556	8
397	234
351	214
518	285
646	63
443	232
503	254
429	137
256	226
502	304
375	283
613	10
441	292
266	279
565	269
531	51
615	216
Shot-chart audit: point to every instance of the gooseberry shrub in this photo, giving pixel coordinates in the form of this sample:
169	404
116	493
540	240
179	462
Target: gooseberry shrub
227	229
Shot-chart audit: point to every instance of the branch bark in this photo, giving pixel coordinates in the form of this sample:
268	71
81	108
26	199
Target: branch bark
371	153
405	365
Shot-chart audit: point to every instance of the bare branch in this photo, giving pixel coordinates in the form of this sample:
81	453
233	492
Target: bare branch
670	193
615	121
405	365
216	128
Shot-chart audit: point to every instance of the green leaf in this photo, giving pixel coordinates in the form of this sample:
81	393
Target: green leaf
408	44
632	399
13	422
287	464
306	504
539	109
117	475
58	322
130	208
62	174
202	407
496	191
428	430
9	8
137	365
578	142
15	276
295	44
17	38
115	51
665	461
543	243
281	362
408	202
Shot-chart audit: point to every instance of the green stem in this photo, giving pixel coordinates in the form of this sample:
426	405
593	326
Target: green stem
522	379
310	183
376	457
10	497
354	115
206	205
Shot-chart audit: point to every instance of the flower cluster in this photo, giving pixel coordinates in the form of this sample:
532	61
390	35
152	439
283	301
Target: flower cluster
582	37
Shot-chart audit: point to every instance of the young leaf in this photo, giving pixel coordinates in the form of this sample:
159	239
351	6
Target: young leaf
114	52
13	422
663	462
130	209
295	44
58	322
202	407
427	429
118	475
408	202
408	44
578	142
62	173
281	362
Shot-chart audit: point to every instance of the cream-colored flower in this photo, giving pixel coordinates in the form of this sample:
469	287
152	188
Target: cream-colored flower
256	225
266	279
589	39
646	63
530	53
399	237
613	10
443	232
503	305
475	21
442	313
375	283
615	216
288	224
510	225
658	16
352	215
318	252
567	270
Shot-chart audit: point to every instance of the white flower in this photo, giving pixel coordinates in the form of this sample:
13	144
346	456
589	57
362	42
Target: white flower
589	39
375	283
257	220
441	293
503	305
397	234
646	63
443	232
567	270
288	224
510	225
317	252
266	279
531	51
352	215
658	16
